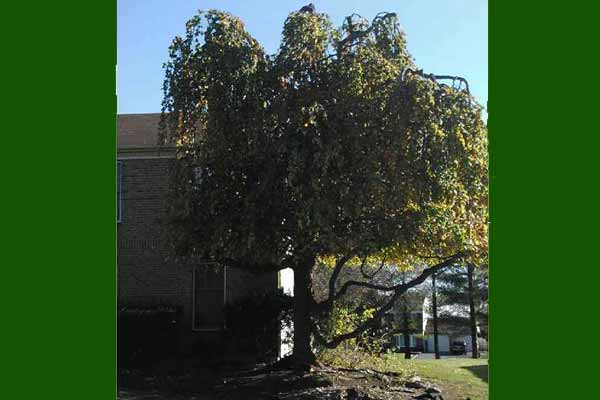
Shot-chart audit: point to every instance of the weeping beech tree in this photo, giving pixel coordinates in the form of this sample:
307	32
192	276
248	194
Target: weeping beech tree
336	149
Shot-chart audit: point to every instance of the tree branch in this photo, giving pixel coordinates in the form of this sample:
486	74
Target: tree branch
398	290
350	40
367	276
402	286
334	276
435	78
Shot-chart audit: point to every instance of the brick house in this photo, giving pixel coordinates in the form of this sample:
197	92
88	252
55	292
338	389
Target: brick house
144	275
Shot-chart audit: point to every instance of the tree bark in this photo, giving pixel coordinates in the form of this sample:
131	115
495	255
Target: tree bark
302	352
406	332
405	322
436	343
472	312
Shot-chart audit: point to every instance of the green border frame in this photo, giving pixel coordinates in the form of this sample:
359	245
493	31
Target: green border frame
543	170
59	175
59	275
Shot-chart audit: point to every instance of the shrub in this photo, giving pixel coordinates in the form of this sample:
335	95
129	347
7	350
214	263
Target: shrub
344	319
146	334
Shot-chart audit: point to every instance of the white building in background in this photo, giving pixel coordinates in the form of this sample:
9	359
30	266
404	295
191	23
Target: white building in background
286	283
453	325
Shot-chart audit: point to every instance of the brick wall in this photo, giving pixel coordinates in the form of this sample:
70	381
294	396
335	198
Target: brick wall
143	274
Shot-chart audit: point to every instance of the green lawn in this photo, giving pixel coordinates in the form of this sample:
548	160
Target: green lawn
459	378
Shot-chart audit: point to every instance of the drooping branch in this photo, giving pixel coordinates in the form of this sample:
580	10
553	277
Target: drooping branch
334	276
402	286
435	78
353	36
398	290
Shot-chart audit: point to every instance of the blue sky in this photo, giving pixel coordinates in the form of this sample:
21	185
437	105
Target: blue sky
444	36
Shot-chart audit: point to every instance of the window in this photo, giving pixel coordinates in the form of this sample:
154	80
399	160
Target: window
119	191
208	297
400	341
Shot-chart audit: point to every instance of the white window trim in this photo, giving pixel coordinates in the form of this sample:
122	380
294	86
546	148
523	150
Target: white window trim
216	329
120	191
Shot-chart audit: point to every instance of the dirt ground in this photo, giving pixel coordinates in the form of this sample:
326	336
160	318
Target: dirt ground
263	383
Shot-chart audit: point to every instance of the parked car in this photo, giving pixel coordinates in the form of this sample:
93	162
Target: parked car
458	347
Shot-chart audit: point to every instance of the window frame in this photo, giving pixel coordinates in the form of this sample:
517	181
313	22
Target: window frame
194	291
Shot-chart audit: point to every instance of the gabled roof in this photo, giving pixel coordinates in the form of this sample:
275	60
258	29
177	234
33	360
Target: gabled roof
454	326
455	310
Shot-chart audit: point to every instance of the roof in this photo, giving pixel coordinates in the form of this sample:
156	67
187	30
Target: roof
455	310
454	326
137	130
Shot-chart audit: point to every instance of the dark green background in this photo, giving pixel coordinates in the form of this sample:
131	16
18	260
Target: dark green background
544	176
58	175
58	272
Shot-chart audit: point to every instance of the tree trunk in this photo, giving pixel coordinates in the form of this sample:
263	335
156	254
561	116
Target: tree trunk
405	329
302	351
436	343
472	312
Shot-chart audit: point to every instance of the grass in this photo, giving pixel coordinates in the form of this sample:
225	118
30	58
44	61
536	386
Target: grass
459	378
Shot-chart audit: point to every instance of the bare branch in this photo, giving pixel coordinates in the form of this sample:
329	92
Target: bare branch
334	276
367	276
398	290
402	286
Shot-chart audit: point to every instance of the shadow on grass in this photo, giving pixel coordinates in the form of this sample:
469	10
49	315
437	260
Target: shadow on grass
480	371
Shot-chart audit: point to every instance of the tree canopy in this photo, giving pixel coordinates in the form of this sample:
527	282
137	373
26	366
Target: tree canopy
335	148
